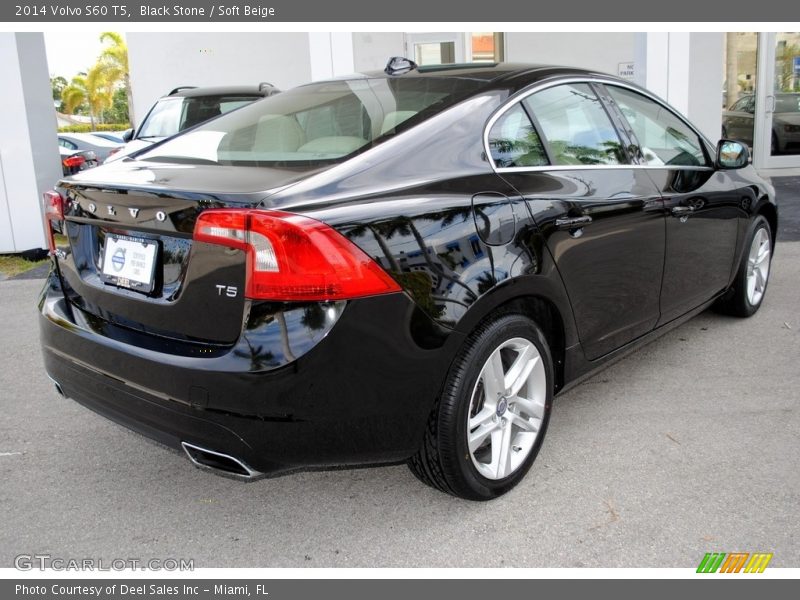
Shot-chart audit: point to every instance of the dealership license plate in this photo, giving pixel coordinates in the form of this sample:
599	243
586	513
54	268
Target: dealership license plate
129	262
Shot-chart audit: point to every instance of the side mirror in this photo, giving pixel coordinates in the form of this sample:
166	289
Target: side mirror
127	135
732	155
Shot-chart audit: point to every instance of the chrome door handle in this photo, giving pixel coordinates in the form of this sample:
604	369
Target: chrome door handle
573	222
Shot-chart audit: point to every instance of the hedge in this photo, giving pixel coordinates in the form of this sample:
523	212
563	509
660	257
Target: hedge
87	127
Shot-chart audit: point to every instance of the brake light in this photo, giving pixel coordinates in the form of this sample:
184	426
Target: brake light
72	162
53	211
294	258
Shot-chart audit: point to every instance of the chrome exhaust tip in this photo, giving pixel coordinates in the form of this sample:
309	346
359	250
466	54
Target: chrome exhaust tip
58	387
219	463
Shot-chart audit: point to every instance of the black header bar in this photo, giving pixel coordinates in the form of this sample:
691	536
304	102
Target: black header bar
361	11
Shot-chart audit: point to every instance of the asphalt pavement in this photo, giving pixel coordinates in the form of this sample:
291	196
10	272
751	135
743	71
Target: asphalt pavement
690	445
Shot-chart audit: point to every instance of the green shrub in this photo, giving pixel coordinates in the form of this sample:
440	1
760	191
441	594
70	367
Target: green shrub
87	127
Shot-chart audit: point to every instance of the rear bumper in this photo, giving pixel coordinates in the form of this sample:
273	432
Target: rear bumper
360	395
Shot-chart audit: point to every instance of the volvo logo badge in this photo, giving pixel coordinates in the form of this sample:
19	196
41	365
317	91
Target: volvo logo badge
118	259
502	405
134	212
161	215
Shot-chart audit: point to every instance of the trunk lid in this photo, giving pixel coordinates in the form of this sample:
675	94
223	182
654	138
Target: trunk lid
131	260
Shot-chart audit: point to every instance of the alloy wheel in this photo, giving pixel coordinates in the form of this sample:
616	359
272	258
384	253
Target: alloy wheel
758	266
507	408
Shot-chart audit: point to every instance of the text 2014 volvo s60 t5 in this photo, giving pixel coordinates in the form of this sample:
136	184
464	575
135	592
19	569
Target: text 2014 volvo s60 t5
398	266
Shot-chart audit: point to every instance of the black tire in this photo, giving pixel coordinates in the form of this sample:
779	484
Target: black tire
444	461
736	301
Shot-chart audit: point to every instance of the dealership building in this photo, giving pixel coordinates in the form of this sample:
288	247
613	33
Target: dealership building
745	84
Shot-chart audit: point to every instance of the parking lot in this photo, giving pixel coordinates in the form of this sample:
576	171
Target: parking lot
690	445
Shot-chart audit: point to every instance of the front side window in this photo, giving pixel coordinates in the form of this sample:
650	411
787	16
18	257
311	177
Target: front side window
514	142
576	127
319	123
664	139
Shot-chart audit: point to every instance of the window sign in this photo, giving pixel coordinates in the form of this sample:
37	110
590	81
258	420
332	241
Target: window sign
625	70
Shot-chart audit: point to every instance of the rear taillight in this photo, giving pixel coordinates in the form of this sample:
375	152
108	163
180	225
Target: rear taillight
294	258
74	162
53	211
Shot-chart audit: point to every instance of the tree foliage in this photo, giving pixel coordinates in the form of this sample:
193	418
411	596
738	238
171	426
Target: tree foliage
103	91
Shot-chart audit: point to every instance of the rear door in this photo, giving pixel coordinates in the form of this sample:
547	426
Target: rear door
601	216
701	205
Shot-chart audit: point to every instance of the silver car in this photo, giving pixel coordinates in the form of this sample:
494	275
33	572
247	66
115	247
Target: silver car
80	142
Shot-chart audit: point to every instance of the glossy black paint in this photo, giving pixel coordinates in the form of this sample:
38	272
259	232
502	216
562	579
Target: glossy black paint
612	267
285	386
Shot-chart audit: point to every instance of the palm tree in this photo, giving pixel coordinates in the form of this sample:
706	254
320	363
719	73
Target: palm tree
73	94
114	59
93	89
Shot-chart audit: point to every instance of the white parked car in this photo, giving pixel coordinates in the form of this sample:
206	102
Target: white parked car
80	142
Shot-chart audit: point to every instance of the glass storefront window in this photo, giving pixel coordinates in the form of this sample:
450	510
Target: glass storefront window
739	90
487	46
435	53
785	135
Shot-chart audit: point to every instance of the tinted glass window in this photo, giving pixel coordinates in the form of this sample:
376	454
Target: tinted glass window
67	144
319	123
575	126
514	142
663	137
741	105
787	103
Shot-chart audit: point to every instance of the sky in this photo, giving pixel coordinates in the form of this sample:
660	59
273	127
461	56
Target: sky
67	55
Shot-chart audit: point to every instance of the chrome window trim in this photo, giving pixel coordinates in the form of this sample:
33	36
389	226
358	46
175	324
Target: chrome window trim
559	80
595	167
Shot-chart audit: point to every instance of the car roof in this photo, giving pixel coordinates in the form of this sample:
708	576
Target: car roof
225	90
515	75
88	138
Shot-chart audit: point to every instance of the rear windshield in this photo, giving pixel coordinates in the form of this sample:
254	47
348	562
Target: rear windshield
314	124
171	115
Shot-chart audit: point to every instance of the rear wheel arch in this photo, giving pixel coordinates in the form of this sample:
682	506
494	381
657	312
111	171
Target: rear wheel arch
770	213
541	310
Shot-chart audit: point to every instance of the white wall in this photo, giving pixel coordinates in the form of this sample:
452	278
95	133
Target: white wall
331	54
597	51
160	62
705	83
686	70
371	51
29	159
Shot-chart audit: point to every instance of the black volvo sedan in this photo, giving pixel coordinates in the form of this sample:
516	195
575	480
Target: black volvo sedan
396	266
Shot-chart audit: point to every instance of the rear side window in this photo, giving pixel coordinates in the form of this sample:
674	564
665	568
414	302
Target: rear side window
575	126
664	139
513	141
